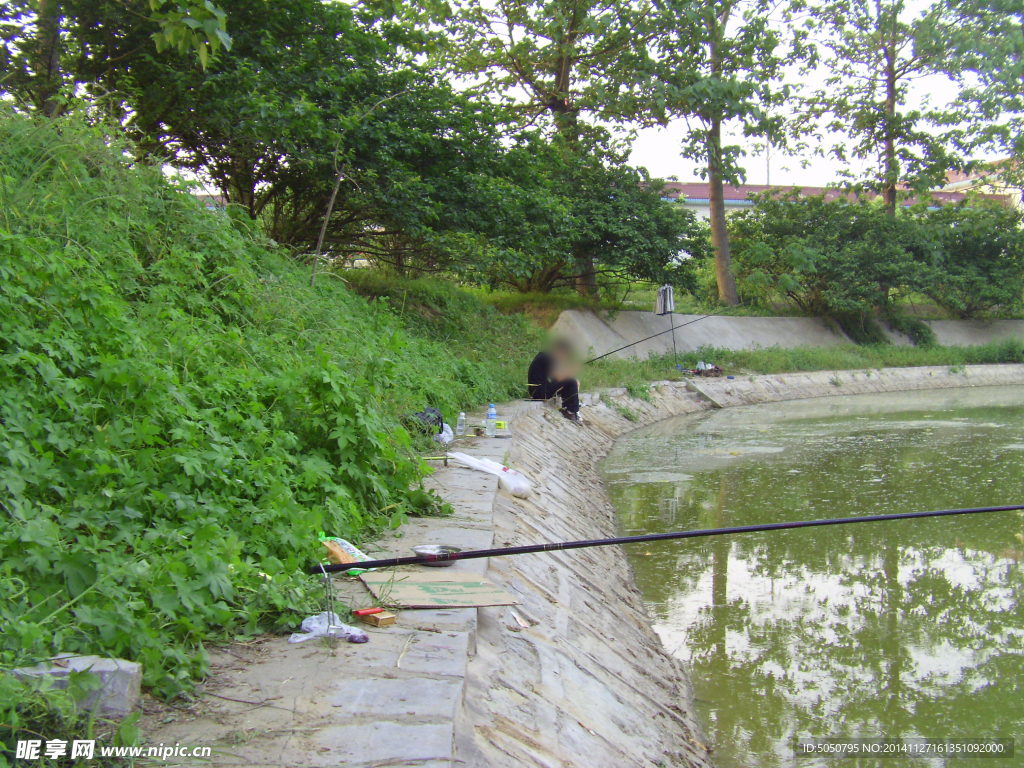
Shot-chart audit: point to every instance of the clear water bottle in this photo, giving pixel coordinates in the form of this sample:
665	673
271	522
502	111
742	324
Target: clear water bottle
492	421
460	425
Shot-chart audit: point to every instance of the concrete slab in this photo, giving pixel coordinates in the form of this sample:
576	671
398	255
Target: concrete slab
120	681
361	745
464	538
602	333
972	332
387	699
440	620
579	685
395	652
393	701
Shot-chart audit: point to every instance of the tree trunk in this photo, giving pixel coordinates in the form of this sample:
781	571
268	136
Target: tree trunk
720	581
892	645
47	63
541	281
719	234
586	280
892	169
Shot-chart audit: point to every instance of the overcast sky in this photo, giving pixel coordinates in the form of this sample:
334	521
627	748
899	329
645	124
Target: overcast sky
657	149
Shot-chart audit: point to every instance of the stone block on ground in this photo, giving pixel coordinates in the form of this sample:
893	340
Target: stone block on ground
120	682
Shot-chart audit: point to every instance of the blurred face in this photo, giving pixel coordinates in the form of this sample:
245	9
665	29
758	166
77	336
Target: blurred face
561	352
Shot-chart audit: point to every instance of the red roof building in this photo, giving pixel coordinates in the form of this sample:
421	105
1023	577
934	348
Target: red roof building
696	195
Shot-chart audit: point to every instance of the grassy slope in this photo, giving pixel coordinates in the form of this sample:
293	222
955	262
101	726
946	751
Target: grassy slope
182	413
436	309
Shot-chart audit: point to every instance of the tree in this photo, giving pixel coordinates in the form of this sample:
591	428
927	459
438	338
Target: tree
872	50
554	205
568	58
828	257
851	259
617	219
34	62
983	46
719	64
622	223
311	90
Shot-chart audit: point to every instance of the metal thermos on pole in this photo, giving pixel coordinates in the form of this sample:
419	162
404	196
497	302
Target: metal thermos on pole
666	305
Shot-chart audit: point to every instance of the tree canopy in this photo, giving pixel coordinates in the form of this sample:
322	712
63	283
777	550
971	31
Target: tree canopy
872	51
491	141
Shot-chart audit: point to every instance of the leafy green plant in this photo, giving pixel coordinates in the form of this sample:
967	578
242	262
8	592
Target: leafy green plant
826	257
32	709
861	327
619	373
641	391
978	249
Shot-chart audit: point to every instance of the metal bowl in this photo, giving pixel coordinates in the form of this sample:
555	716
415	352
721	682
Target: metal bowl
437	549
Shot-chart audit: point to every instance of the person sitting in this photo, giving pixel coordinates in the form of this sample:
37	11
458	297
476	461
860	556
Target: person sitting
549	376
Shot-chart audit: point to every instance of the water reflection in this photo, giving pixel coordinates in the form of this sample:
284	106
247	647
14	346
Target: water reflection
896	629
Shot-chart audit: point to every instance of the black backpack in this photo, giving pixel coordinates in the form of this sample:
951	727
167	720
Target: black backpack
429	421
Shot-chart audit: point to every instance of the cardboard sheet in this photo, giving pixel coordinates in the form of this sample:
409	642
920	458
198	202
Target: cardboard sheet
435	589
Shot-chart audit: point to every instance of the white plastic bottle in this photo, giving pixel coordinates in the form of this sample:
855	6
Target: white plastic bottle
460	425
492	421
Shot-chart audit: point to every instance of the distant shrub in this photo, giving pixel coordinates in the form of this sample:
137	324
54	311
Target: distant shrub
977	248
851	260
919	332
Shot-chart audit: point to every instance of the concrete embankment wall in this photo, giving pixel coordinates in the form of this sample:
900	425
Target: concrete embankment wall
586	682
601	333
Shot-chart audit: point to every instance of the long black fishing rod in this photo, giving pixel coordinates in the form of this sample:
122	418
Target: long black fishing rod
671	330
558	546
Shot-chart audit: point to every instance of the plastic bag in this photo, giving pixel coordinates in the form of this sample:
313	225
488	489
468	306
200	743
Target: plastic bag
446	435
508	479
355	555
324	624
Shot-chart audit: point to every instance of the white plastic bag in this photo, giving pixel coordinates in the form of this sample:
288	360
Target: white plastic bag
508	479
446	435
328	624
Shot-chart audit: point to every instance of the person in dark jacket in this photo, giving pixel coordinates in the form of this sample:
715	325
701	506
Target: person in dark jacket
548	376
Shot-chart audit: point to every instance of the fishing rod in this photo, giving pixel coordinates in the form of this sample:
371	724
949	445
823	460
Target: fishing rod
562	545
671	330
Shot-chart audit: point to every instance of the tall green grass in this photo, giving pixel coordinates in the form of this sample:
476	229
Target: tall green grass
181	414
449	323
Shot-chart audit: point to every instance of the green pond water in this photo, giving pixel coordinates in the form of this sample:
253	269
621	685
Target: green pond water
897	629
